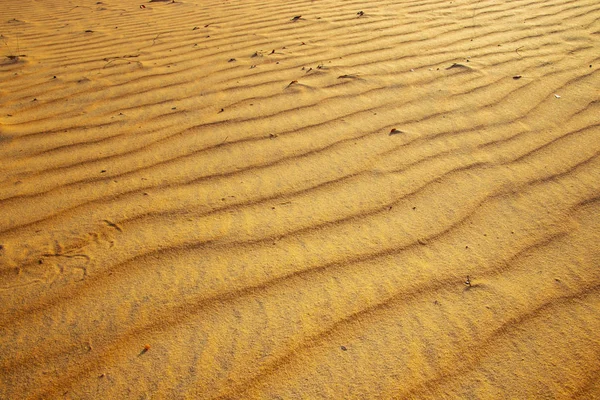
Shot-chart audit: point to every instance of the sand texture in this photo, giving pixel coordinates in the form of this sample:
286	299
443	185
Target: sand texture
325	199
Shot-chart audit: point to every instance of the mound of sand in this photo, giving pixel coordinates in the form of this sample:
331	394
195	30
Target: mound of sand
307	199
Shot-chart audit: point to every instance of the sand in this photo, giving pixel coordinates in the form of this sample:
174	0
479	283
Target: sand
248	199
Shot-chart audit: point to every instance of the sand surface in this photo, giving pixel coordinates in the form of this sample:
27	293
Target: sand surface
379	199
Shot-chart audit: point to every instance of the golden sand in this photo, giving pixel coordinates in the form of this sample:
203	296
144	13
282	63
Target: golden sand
299	200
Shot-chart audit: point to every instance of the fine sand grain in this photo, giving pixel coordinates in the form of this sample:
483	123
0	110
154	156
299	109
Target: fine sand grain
335	199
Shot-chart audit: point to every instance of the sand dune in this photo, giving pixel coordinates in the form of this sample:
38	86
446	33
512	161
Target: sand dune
296	200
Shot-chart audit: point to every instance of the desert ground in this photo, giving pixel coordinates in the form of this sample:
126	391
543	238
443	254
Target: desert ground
326	199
